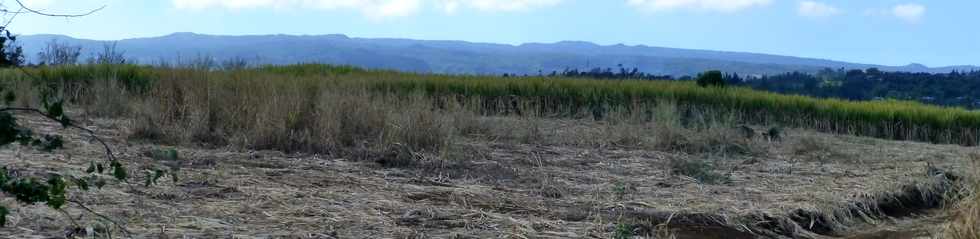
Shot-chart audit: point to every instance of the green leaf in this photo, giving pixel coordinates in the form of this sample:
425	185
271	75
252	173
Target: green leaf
9	97
91	167
3	216
157	174
10	132
82	184
49	143
56	109
23	136
3	176
118	171
172	154
27	191
56	192
65	121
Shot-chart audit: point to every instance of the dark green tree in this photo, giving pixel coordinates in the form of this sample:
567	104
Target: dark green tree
11	55
711	79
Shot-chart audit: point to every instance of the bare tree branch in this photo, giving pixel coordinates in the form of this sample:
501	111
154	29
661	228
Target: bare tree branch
7	11
90	133
30	10
18	12
104	217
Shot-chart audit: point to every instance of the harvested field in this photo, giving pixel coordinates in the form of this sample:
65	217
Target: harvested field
568	182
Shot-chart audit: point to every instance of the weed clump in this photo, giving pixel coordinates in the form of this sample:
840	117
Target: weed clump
701	170
163	154
624	231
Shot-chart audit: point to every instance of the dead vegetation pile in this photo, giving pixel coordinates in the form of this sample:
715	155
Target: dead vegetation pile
965	223
497	186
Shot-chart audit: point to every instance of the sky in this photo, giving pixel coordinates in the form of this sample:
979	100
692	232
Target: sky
889	32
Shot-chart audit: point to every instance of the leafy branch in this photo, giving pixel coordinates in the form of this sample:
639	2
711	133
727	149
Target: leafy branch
52	192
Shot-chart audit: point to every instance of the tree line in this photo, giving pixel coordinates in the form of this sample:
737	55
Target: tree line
620	73
960	89
957	89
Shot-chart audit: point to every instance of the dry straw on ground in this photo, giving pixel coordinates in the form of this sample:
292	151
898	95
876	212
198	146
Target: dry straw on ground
273	154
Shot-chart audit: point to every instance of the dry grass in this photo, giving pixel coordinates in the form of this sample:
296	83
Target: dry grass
966	218
332	114
479	187
291	115
703	171
966	222
816	149
146	123
422	130
107	99
274	156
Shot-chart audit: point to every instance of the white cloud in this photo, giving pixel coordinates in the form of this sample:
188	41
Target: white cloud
235	4
370	8
398	8
727	6
909	12
508	5
816	9
449	6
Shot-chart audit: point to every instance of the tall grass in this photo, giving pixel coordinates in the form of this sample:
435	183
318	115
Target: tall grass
291	89
885	119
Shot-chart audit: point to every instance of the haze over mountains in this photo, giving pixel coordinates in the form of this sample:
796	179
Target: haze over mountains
456	57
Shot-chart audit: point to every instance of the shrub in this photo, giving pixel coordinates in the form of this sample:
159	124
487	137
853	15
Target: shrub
711	79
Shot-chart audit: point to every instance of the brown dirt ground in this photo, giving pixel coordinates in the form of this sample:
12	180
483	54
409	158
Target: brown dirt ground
506	189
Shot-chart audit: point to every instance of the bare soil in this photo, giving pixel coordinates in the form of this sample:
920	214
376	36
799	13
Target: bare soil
503	189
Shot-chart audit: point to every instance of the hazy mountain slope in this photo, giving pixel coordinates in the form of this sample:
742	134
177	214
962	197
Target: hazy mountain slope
455	56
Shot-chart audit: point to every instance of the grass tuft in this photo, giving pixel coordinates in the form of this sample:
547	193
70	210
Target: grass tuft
701	170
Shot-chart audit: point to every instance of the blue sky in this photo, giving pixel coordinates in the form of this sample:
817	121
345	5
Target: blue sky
887	32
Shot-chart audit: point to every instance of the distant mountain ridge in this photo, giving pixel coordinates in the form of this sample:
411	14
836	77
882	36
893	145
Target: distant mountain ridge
457	57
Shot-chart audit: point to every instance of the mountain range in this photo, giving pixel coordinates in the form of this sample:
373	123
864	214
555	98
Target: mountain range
454	57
